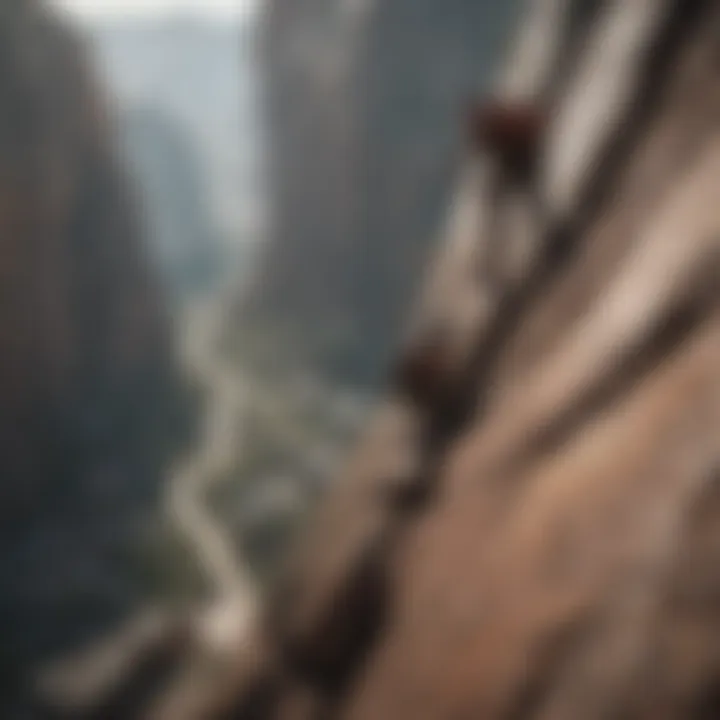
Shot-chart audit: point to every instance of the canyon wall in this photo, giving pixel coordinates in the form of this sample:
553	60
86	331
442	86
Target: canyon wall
91	403
362	101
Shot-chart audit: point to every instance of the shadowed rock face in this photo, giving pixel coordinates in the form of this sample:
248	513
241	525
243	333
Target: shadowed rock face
90	402
361	105
538	537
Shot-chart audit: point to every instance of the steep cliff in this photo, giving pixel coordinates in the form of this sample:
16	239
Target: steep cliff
530	527
361	107
91	403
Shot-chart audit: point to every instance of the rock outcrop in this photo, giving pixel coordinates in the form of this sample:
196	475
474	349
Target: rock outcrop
530	528
91	402
361	107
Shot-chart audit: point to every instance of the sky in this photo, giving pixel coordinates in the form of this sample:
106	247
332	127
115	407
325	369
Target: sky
220	9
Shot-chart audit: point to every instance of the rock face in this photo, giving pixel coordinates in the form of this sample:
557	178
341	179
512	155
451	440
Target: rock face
538	536
361	105
91	404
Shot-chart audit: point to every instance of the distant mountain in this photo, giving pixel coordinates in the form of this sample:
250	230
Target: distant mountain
200	76
173	197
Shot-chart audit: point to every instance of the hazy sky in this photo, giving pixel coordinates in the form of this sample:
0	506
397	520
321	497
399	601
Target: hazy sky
212	8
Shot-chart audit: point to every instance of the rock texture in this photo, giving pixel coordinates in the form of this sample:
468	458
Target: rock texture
91	404
361	106
538	536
